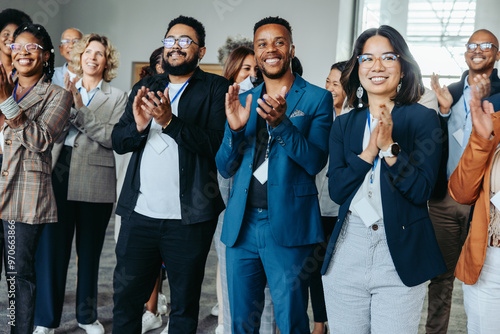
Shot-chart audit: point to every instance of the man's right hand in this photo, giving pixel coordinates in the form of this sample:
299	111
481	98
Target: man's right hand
237	115
141	116
442	93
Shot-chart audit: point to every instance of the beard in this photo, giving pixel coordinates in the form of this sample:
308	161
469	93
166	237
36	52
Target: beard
277	75
182	69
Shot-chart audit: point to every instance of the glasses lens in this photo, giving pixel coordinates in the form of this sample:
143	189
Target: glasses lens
31	47
365	60
65	41
75	41
389	59
15	47
184	42
485	46
168	42
471	47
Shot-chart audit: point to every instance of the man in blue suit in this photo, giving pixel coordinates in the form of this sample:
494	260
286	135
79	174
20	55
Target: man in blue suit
275	142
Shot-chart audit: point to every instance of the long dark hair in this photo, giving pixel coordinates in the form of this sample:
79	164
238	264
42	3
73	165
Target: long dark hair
39	32
411	84
154	59
234	62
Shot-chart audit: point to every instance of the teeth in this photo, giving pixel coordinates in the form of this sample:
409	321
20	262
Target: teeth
272	61
24	61
92	65
377	79
477	60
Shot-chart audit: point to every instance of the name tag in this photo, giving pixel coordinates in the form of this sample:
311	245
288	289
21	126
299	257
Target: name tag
366	212
459	136
496	201
261	172
156	141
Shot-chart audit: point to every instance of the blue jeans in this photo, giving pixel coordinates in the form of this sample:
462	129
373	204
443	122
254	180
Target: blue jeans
21	241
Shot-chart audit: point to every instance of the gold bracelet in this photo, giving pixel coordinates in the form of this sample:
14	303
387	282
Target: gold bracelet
167	124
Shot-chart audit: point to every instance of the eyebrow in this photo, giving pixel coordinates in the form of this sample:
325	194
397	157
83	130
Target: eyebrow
275	38
173	36
384	53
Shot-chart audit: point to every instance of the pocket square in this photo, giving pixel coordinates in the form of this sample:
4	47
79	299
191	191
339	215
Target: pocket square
297	113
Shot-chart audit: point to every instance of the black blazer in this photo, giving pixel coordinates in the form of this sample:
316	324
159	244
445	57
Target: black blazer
198	131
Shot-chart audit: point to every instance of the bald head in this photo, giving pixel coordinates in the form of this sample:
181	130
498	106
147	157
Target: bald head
68	38
484	32
481	53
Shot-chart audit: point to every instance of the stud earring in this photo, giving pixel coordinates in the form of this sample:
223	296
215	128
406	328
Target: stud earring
359	94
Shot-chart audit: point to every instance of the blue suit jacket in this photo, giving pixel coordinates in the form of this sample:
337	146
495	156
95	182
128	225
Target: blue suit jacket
405	187
299	150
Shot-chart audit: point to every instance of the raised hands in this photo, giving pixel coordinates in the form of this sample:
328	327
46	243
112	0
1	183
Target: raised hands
442	93
483	84
6	84
70	86
237	115
481	114
273	109
142	116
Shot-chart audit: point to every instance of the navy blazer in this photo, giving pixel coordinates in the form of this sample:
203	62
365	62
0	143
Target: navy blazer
405	187
299	150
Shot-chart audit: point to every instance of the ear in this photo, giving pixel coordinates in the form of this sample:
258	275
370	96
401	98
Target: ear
201	53
498	56
293	51
402	75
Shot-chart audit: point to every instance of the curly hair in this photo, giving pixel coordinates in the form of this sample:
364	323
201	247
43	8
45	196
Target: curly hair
111	54
13	16
191	22
231	44
39	32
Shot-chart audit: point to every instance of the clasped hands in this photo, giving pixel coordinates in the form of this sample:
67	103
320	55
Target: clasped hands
148	106
272	110
380	138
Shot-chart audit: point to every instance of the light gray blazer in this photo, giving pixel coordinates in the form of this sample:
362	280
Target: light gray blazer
92	176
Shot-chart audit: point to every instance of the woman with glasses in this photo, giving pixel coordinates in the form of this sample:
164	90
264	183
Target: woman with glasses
84	181
34	113
384	158
10	20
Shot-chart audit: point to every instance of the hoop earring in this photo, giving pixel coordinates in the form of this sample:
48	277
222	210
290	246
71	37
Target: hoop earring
46	64
359	93
399	86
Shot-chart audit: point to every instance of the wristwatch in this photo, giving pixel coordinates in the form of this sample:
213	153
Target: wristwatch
392	151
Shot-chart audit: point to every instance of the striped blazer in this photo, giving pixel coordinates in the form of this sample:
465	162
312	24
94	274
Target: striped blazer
25	179
92	175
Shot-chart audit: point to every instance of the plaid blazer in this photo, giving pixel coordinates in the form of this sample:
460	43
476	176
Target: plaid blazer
25	179
92	175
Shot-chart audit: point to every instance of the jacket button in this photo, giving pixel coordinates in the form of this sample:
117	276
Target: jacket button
5	173
8	142
246	191
374	227
75	145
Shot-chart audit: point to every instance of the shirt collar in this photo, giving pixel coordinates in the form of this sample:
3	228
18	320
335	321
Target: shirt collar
79	85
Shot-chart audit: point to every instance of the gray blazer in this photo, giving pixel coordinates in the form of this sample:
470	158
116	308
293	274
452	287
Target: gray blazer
92	176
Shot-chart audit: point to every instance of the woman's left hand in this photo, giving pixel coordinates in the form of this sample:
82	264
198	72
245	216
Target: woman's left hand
6	84
384	139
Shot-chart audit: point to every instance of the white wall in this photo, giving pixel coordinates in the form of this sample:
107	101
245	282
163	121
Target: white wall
137	27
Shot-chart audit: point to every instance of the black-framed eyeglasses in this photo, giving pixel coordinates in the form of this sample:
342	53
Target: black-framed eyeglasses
70	41
184	42
30	47
387	60
486	46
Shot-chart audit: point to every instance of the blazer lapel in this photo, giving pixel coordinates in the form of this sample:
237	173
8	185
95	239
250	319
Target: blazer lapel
295	94
357	130
35	96
100	96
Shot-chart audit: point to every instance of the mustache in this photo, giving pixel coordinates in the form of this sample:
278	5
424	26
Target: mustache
176	51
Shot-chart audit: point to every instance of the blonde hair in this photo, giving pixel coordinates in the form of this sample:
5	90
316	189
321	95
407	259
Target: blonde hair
111	54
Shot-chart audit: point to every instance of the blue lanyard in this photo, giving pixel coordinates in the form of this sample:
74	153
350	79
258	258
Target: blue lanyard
15	90
267	125
180	91
467	111
80	90
372	175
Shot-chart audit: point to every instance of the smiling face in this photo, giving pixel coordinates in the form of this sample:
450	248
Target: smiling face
482	61
29	64
335	87
178	61
273	50
379	79
249	67
65	49
93	60
7	37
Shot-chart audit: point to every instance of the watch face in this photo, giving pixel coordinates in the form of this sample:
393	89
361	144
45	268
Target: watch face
395	149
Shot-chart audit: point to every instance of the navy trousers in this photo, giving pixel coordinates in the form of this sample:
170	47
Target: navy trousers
144	242
257	258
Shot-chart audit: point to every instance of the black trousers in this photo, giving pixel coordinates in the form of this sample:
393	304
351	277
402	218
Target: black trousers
142	243
89	221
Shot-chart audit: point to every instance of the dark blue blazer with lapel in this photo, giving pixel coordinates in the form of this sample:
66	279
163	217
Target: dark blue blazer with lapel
299	150
405	187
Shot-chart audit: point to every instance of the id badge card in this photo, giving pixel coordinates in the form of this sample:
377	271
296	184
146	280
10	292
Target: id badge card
459	136
261	172
159	145
495	200
366	212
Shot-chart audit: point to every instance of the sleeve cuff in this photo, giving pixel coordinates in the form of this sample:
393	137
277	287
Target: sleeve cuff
10	108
